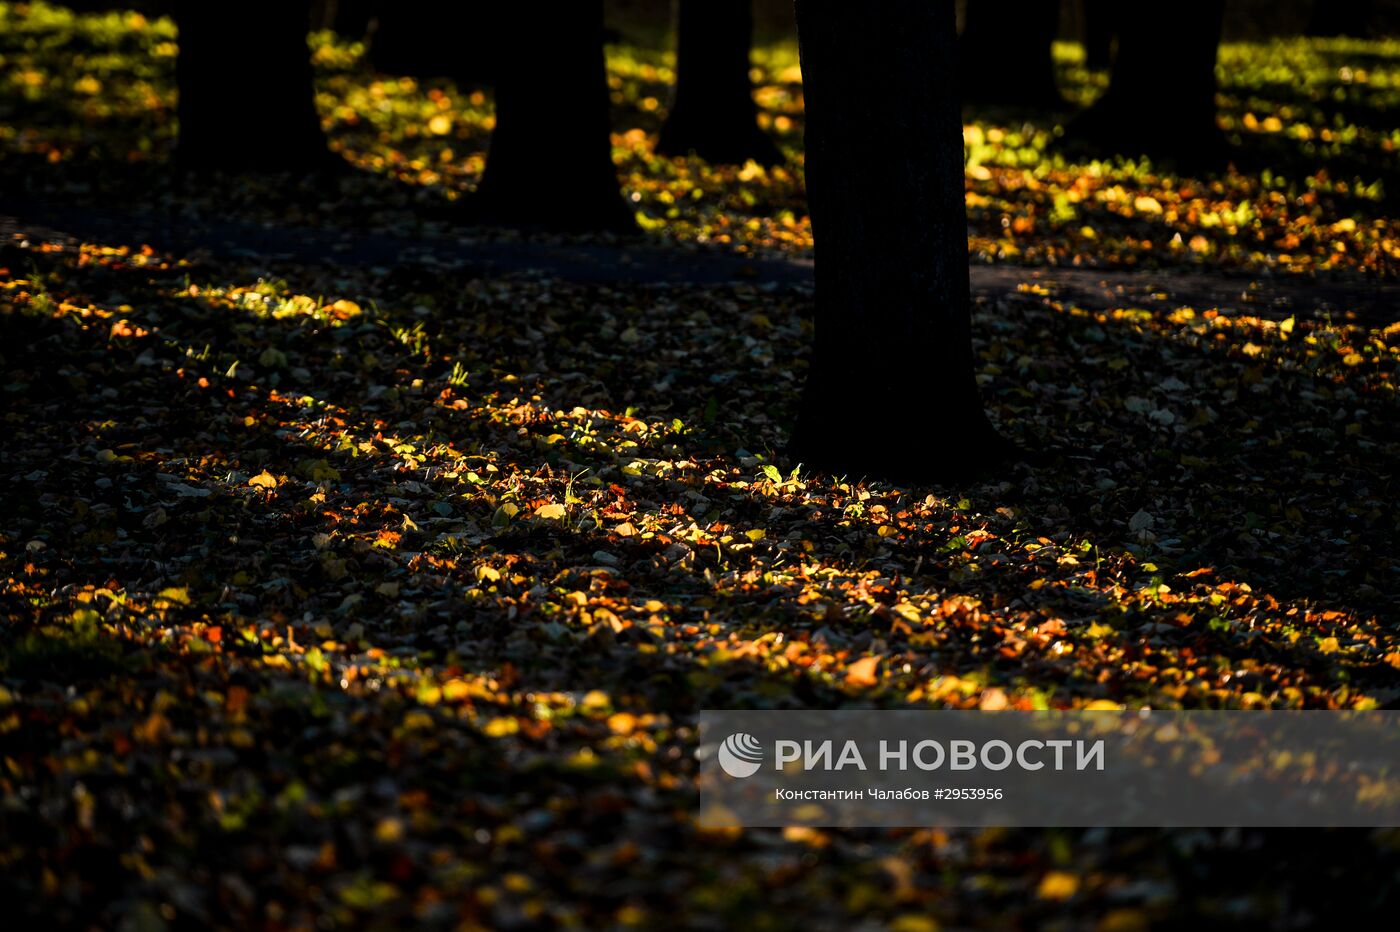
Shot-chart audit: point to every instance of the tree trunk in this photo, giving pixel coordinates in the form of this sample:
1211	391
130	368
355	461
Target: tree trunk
1161	98
348	18
1099	31
247	102
891	391
713	113
550	163
436	38
1340	18
1007	53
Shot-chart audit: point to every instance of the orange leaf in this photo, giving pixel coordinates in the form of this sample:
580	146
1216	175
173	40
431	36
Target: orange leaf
862	673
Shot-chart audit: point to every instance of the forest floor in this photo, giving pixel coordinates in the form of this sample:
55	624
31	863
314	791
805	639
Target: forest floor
376	574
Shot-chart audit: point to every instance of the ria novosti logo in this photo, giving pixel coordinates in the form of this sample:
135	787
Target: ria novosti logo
740	755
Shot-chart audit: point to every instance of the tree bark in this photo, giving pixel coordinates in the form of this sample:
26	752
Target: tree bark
1161	98
436	38
1099	32
1008	53
891	390
247	102
348	18
1340	18
550	163
713	113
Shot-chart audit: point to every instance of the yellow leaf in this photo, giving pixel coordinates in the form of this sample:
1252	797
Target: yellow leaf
622	723
631	915
596	699
1058	885
389	830
908	611
263	480
174	596
553	511
321	471
914	922
1123	920
501	726
1147	205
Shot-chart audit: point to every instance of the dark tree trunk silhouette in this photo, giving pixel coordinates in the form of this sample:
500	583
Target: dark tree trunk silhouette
1099	31
891	390
550	163
247	102
349	18
713	113
1007	53
1161	97
436	38
1340	18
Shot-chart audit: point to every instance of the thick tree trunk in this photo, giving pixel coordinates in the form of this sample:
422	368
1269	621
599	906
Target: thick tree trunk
1099	32
436	38
1161	97
891	391
550	164
348	18
713	113
1340	18
246	97
1007	53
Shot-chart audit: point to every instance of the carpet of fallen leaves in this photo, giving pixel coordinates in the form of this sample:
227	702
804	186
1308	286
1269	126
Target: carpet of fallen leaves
338	595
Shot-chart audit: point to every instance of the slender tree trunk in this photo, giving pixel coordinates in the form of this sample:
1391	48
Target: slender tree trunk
247	102
1007	53
436	38
891	391
1161	98
1099	30
713	113
550	164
